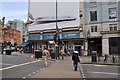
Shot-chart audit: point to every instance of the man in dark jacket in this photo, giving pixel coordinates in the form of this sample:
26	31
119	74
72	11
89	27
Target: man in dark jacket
75	59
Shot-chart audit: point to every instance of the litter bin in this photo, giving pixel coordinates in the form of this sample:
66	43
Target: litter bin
52	55
94	56
8	52
38	54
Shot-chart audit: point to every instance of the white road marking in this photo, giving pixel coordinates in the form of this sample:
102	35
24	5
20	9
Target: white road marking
104	73
100	65
23	77
29	75
80	67
38	71
19	65
5	64
33	72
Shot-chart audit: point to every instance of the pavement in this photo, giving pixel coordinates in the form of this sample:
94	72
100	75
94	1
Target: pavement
59	69
100	60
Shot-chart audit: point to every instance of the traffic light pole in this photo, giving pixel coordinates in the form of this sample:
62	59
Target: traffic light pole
57	33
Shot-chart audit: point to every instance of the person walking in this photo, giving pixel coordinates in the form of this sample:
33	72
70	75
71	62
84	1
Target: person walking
75	59
46	55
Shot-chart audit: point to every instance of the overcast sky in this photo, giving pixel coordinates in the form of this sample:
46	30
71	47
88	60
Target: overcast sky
48	9
43	9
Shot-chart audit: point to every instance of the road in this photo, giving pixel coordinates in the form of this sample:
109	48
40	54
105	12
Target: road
100	71
20	66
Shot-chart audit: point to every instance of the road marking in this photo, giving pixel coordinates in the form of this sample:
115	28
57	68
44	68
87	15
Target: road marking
41	69
23	77
33	72
6	64
38	71
29	75
81	71
104	73
19	65
100	65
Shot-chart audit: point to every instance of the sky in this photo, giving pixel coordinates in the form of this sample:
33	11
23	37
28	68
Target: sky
14	10
48	9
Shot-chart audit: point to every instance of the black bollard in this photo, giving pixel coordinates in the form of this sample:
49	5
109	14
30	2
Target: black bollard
113	59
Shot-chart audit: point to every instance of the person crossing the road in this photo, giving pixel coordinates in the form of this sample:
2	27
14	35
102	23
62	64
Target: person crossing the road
46	55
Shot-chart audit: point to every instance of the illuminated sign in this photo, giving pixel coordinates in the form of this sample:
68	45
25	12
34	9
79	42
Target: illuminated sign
70	35
45	37
34	37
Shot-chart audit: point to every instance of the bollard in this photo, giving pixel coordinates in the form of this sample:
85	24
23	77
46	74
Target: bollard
113	59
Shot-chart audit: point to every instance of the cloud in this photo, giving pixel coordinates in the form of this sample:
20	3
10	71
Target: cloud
24	20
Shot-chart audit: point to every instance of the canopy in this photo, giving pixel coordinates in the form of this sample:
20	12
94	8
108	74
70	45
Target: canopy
25	43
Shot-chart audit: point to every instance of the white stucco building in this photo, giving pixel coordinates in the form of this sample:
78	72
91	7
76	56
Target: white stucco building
101	22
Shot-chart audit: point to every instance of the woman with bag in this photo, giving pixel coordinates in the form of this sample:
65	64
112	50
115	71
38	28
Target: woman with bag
46	55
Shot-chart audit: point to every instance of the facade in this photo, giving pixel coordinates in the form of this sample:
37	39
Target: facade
0	34
41	32
102	27
18	25
7	34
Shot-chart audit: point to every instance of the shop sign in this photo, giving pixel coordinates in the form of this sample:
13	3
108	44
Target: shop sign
70	35
46	37
34	37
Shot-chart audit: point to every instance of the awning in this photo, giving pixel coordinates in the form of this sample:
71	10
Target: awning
25	43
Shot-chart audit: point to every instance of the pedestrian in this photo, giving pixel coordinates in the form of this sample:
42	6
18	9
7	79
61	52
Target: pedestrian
46	55
106	58
75	59
62	52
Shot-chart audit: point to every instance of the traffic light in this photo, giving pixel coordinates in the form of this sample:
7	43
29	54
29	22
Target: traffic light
55	38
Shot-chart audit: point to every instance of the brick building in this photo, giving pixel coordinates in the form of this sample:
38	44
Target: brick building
11	35
7	34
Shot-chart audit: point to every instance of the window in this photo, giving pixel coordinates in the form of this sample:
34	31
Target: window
113	13
113	27
93	15
93	28
112	1
93	2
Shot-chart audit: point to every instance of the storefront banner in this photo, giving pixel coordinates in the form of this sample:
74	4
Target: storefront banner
34	37
46	37
70	35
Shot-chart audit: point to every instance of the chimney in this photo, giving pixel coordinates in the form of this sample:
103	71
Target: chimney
11	25
3	21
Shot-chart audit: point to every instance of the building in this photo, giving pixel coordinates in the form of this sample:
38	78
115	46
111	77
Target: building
102	27
9	35
18	25
43	29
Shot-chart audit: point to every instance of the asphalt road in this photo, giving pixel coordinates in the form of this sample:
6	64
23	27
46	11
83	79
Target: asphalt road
20	66
100	71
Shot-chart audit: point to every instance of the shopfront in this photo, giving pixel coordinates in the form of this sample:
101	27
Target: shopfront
68	39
